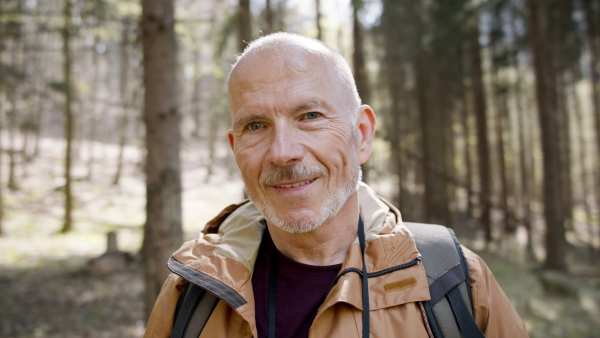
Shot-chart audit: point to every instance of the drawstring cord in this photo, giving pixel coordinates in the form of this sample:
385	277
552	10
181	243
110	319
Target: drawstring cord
365	281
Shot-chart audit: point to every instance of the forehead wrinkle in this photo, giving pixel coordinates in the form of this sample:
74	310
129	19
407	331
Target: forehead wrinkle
311	104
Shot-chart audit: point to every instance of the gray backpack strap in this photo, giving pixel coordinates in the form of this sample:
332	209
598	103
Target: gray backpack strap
194	308
449	283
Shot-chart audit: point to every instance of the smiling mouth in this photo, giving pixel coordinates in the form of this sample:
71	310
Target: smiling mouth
296	184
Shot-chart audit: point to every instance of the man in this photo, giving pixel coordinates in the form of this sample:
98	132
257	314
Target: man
282	264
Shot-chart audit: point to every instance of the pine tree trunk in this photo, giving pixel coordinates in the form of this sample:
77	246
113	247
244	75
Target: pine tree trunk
93	111
358	63
12	138
483	148
592	13
581	157
526	172
244	26
66	35
268	18
125	97
548	118
318	19
397	96
163	229
2	103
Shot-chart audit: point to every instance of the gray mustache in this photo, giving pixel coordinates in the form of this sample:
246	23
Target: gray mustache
278	174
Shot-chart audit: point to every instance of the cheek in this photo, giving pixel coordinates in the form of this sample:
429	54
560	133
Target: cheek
249	162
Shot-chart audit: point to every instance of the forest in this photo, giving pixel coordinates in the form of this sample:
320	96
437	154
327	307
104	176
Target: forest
113	147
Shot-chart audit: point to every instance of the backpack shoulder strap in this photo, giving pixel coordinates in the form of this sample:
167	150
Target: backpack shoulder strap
194	308
449	282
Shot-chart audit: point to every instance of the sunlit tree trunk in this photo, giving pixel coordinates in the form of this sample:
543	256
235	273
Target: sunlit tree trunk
2	107
549	123
68	90
93	110
125	98
163	229
581	158
592	16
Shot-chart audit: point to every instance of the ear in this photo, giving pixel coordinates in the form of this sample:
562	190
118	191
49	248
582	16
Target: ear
367	122
231	138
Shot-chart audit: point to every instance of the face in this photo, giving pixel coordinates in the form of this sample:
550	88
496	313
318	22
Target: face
297	142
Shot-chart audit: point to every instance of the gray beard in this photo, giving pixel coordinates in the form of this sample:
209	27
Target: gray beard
332	204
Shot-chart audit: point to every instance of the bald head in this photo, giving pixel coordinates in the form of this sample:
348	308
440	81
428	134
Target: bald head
272	55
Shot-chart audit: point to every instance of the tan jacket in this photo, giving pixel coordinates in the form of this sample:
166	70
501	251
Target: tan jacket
222	260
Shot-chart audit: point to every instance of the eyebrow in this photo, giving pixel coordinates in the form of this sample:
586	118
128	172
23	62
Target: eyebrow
247	119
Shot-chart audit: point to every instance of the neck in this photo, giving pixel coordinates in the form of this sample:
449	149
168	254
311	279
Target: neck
327	244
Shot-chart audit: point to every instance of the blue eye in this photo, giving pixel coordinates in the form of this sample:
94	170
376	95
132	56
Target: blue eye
254	126
312	115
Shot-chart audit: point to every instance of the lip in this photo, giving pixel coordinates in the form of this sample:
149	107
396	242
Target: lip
293	184
292	188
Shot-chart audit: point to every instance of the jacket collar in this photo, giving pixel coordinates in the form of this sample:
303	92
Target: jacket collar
226	252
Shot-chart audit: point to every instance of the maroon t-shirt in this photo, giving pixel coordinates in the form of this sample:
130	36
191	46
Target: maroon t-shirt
301	289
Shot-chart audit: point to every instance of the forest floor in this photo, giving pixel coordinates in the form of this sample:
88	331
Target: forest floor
49	289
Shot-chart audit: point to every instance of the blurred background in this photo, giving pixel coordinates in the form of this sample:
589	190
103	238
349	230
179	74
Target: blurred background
113	122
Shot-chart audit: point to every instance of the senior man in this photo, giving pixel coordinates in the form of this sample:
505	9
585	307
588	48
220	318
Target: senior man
283	263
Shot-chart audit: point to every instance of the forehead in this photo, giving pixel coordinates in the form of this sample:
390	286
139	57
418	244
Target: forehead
292	71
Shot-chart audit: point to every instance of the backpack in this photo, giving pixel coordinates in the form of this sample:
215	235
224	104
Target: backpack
447	275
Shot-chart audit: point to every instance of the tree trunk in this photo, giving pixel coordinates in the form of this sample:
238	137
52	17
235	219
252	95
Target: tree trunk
2	100
593	41
125	99
244	27
397	96
526	172
358	63
268	18
93	110
163	229
12	137
466	128
548	116
318	20
582	155
483	148
68	89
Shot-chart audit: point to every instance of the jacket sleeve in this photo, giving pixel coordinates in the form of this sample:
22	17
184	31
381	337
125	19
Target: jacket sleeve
494	313
160	323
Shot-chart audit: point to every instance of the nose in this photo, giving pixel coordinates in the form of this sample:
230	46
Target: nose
285	149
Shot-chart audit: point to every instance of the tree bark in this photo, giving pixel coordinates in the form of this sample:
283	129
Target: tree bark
358	63
68	91
163	229
268	17
526	172
582	155
318	20
397	94
483	147
555	243
244	26
125	99
2	100
592	13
